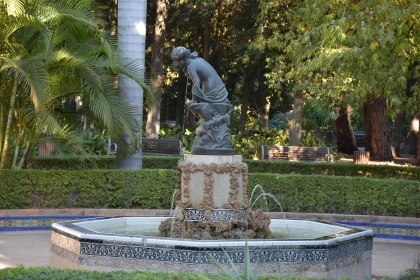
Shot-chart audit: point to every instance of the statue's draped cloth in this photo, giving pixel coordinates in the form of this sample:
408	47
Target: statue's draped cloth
218	95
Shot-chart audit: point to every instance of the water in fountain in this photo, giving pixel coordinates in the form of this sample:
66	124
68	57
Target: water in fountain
264	195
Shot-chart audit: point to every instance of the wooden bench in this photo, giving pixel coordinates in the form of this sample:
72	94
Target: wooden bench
162	147
295	153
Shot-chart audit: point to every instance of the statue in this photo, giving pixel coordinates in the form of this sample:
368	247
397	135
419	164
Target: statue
209	102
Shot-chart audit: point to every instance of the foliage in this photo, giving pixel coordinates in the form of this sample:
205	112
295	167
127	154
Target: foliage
250	147
318	116
280	121
87	188
186	137
248	274
97	142
47	273
153	189
54	52
254	166
345	195
410	274
346	52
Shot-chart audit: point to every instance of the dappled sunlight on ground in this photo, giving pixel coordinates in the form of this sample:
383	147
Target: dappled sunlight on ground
3	263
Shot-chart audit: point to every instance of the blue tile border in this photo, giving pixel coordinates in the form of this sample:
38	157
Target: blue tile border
28	224
58	217
379	224
397	231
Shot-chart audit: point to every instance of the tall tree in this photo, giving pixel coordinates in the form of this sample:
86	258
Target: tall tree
360	47
157	74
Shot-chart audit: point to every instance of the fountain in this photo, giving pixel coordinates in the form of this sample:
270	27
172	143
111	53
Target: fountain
212	217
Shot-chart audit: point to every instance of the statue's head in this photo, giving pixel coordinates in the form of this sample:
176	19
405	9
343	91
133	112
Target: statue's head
181	53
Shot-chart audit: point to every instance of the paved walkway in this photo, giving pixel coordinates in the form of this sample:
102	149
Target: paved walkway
390	257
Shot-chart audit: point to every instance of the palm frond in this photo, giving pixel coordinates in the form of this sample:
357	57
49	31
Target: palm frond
71	10
14	7
134	70
32	75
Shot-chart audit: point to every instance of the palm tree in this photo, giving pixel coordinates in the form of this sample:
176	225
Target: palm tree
131	42
56	50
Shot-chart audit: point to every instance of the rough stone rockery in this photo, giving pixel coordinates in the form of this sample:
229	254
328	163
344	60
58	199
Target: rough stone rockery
211	198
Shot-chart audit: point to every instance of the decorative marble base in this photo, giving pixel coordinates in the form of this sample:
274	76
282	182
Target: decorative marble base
213	182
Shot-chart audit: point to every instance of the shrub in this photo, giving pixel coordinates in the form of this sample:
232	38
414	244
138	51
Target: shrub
102	162
254	166
46	273
86	188
153	188
334	169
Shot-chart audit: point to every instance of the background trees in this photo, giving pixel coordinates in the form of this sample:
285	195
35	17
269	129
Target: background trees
290	65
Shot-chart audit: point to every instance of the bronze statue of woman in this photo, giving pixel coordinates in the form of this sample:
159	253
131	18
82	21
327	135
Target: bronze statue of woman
209	102
207	85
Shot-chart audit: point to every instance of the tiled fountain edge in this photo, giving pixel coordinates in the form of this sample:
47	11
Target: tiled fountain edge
393	227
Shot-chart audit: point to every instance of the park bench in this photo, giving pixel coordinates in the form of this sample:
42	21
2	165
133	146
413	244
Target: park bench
295	153
162	147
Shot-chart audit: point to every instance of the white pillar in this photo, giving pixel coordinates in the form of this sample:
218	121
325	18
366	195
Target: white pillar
131	43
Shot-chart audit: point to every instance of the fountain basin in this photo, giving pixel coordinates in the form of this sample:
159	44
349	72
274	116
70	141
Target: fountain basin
319	249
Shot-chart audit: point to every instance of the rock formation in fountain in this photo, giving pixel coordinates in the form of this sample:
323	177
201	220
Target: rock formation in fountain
211	194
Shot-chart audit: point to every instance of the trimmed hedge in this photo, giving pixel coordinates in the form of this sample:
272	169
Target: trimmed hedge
102	162
254	166
153	188
86	188
46	273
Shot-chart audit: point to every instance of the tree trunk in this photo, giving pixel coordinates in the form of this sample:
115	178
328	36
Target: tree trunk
113	17
246	92
131	43
296	124
2	126
263	101
17	146
157	76
418	151
9	123
25	154
414	132
397	133
263	115
378	140
344	132
206	38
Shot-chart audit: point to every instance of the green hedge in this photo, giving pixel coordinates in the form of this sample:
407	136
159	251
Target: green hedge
103	162
254	166
334	169
46	273
146	188
153	188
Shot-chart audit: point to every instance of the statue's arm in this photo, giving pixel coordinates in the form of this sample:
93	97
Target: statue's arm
192	72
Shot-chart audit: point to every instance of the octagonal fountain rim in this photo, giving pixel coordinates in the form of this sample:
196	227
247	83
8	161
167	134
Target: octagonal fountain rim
74	229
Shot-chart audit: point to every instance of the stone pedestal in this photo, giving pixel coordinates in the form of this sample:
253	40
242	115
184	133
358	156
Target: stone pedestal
212	186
